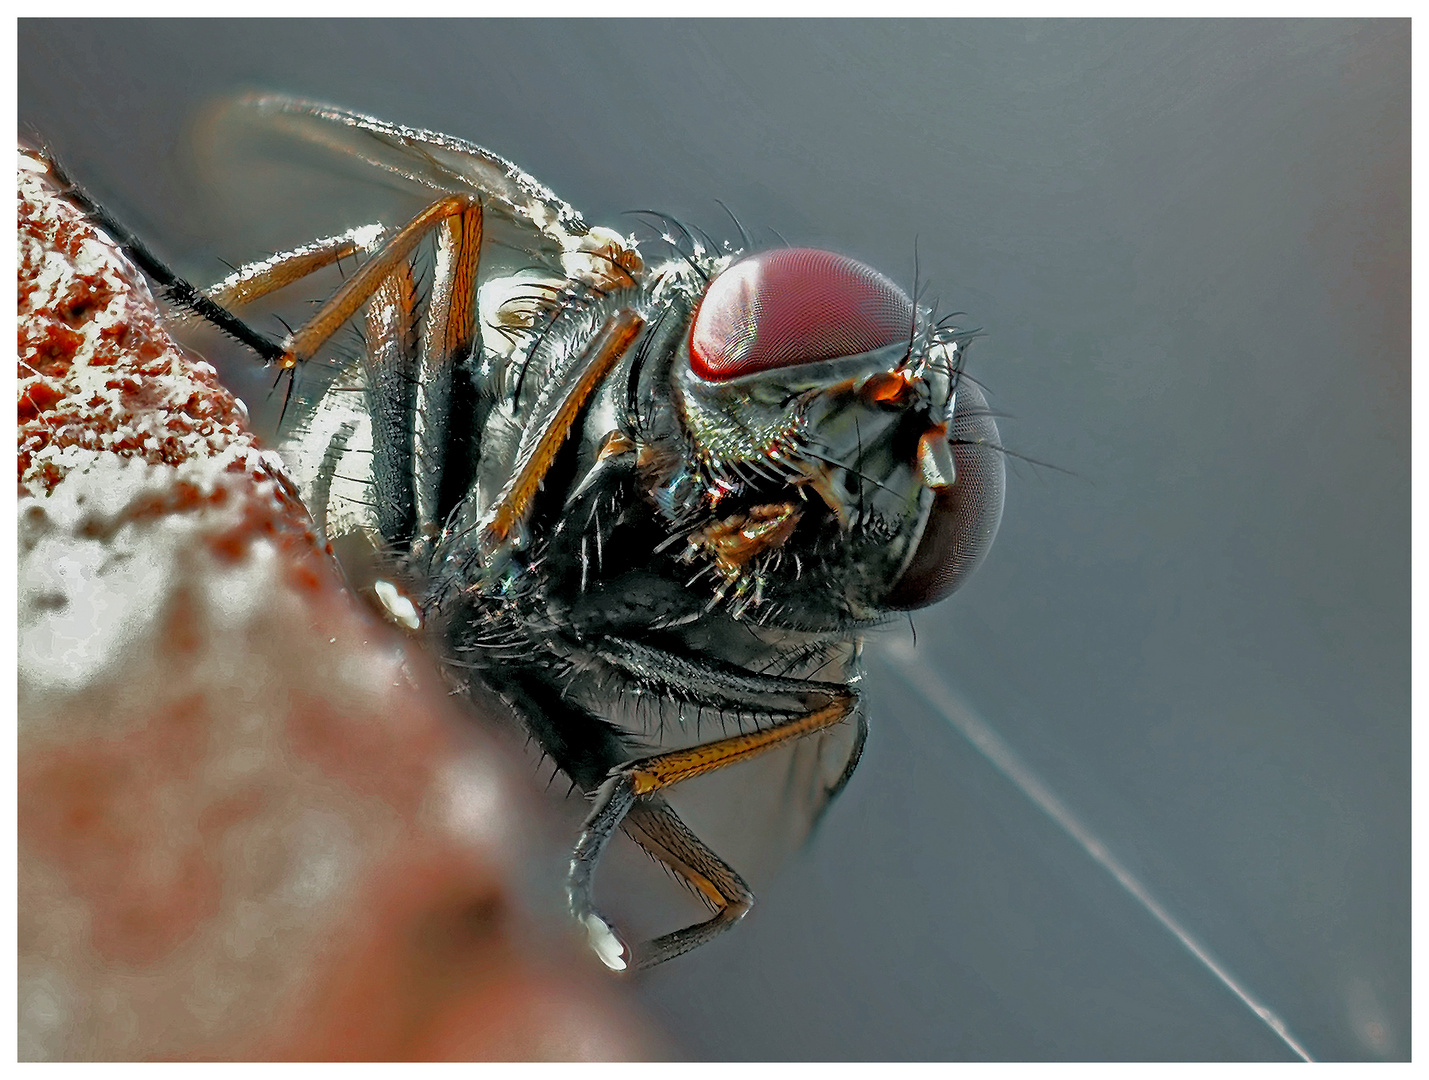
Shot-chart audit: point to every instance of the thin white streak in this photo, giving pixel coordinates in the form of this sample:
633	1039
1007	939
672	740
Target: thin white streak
1005	760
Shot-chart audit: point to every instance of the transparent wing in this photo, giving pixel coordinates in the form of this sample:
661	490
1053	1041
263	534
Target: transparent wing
545	224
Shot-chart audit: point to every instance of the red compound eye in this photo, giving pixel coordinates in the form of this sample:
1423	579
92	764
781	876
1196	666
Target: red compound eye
794	306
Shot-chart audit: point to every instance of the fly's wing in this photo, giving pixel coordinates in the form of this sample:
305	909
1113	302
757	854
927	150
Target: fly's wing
543	225
441	162
288	170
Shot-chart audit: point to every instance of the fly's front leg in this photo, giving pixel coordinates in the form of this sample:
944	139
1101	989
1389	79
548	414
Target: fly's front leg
613	800
855	755
630	796
567	404
652	824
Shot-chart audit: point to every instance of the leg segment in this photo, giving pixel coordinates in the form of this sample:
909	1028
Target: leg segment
410	426
660	771
612	802
604	352
303	343
653	825
855	754
258	279
448	338
179	291
388	365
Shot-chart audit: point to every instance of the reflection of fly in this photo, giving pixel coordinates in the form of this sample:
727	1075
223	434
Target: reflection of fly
641	503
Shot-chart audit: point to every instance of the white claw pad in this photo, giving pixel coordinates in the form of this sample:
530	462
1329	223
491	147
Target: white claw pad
402	610
602	939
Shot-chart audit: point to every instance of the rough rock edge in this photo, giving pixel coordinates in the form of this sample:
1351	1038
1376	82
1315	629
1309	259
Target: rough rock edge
98	372
135	461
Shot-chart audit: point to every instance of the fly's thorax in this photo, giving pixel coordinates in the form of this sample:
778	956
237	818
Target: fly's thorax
545	414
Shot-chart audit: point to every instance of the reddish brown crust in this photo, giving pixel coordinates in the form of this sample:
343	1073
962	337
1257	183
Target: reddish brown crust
97	370
249	824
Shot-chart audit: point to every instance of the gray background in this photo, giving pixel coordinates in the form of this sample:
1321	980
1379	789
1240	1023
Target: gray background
1189	245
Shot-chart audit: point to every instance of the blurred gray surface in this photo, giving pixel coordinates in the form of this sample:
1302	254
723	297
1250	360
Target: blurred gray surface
1188	243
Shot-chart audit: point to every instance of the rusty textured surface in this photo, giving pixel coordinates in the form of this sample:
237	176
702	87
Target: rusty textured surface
251	823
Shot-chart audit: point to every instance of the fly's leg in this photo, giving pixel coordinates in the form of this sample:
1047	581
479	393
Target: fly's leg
409	402
653	825
178	290
855	755
636	785
508	512
613	801
655	773
389	377
388	365
642	778
304	342
256	280
448	339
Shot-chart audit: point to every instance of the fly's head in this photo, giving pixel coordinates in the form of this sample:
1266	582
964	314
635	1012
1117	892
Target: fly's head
841	465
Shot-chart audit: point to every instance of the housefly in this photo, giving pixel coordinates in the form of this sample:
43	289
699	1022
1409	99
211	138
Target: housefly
651	504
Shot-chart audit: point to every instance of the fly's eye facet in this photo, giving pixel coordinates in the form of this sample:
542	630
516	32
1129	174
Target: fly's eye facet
965	514
794	306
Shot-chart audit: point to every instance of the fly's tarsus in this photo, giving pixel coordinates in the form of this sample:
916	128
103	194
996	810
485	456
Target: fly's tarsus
177	289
